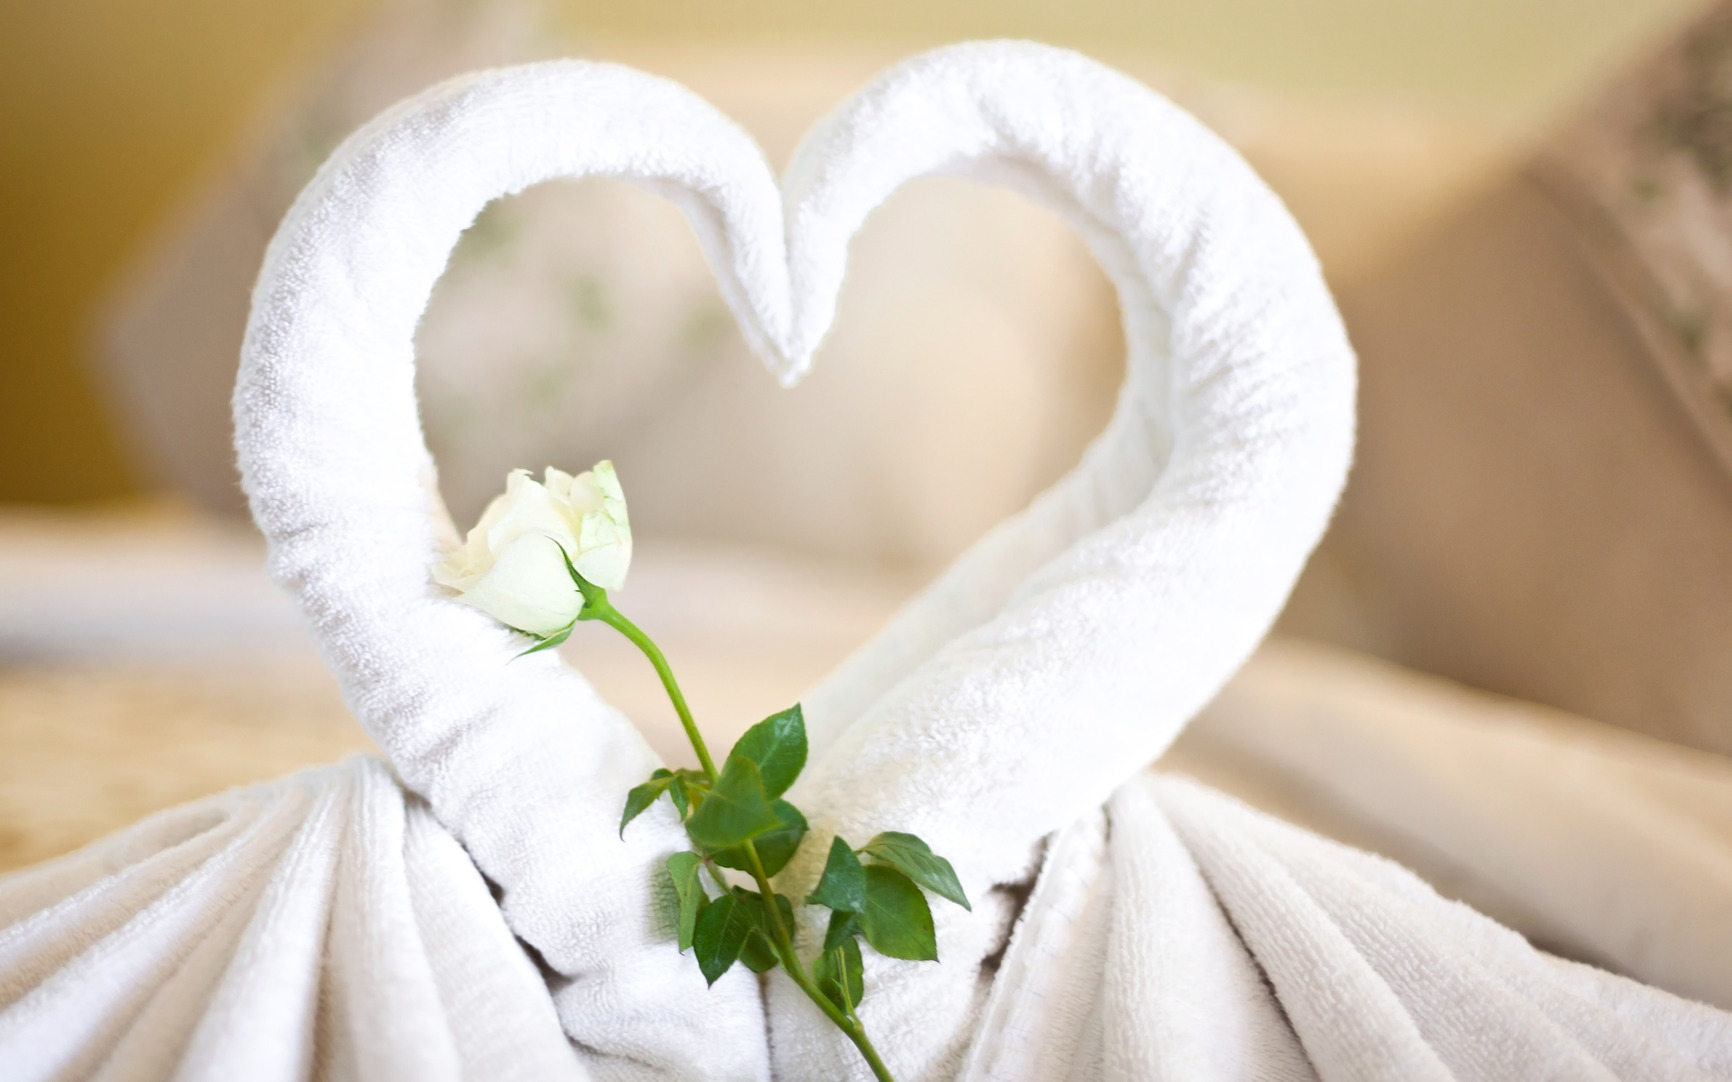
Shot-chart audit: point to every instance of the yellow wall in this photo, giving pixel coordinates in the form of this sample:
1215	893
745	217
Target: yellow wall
108	108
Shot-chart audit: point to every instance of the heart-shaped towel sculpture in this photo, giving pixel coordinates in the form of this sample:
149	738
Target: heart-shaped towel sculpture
332	923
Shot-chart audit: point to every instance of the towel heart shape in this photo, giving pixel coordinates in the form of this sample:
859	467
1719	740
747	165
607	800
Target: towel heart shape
328	924
1052	661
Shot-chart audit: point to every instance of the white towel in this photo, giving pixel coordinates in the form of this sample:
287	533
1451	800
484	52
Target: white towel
1602	844
323	925
1068	647
1170	933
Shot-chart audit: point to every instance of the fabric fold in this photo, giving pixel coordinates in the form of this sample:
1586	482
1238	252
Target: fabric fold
322	925
473	909
1184	998
1352	941
1069	646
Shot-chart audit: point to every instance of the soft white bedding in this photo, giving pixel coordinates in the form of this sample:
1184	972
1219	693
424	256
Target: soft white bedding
145	660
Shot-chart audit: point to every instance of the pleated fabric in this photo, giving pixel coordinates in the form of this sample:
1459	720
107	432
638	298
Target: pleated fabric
1242	947
321	925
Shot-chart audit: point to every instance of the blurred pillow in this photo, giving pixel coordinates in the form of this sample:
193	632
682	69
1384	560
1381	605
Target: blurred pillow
976	349
171	337
1542	504
974	354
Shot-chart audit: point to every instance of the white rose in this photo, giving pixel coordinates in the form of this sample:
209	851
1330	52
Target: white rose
511	566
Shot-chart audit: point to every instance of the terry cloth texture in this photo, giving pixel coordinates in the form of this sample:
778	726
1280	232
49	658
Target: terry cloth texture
1007	713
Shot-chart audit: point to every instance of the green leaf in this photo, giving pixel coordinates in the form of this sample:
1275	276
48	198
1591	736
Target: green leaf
778	745
775	848
721	934
843	925
842	887
688	789
840	976
758	955
640	799
760	917
897	921
683	868
915	859
546	643
736	810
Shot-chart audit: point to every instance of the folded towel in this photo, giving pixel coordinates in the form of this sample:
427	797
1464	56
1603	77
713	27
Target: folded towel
1069	646
518	757
217	939
1586	838
1170	932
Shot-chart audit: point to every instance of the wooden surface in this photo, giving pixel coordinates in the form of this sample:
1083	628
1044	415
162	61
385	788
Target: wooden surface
85	750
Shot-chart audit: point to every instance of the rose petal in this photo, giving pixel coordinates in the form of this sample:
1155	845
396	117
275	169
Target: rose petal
582	495
528	587
529	509
607	481
605	565
604	551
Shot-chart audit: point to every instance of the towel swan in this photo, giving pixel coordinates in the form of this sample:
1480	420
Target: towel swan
359	921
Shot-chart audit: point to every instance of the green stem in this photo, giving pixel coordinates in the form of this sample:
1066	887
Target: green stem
613	618
847	1022
597	607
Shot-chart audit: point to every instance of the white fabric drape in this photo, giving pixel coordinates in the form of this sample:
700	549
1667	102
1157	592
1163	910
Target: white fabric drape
1008	712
